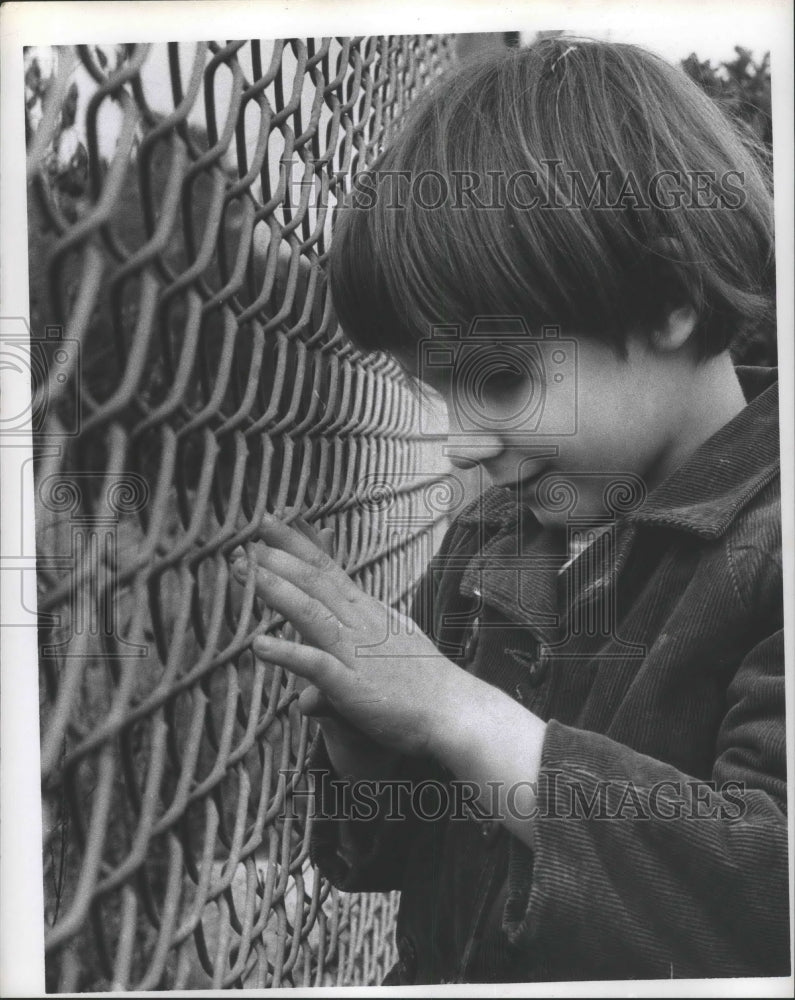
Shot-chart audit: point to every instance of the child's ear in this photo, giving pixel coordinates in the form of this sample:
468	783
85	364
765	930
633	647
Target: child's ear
676	329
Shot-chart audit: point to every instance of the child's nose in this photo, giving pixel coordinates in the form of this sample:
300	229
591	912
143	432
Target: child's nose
466	450
468	445
464	456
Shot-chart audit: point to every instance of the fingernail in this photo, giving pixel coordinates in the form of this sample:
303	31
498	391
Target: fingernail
240	569
237	553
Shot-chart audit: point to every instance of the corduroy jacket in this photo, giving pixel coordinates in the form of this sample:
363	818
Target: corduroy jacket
657	659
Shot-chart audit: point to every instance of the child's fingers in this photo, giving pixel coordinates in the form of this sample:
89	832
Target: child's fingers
324	587
316	623
314	664
324	539
300	523
283	536
314	703
301	542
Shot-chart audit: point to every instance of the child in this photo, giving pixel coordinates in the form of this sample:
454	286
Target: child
600	673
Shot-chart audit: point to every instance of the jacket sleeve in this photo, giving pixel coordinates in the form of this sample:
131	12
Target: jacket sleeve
645	871
361	844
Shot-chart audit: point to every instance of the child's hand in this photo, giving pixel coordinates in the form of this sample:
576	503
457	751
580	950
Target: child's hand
369	663
353	755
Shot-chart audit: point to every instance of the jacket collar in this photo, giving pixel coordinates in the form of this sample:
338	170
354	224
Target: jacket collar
702	497
706	493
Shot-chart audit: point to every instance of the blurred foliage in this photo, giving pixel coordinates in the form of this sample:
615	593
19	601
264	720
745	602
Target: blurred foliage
741	87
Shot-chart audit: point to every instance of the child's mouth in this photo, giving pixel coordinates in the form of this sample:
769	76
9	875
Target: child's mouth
524	484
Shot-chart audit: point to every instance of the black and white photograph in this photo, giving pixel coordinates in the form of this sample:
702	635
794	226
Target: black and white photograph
393	456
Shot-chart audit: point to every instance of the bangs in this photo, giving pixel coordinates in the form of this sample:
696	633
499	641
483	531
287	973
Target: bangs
522	185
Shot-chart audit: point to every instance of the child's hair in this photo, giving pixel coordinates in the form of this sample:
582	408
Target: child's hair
644	197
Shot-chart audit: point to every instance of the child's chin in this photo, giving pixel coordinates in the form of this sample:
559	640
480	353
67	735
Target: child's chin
549	518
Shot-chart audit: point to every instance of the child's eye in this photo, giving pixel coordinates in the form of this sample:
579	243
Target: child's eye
501	376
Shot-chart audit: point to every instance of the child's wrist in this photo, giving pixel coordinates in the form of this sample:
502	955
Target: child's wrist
457	717
482	735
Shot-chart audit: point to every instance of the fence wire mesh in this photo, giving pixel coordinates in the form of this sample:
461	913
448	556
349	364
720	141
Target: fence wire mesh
189	375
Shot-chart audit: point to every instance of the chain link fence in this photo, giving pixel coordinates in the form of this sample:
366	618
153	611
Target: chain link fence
189	375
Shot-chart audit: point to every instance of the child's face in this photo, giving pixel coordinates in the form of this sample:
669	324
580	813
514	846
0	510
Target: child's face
604	417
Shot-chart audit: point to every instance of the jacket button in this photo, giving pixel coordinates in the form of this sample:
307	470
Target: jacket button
489	829
472	640
538	668
407	961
